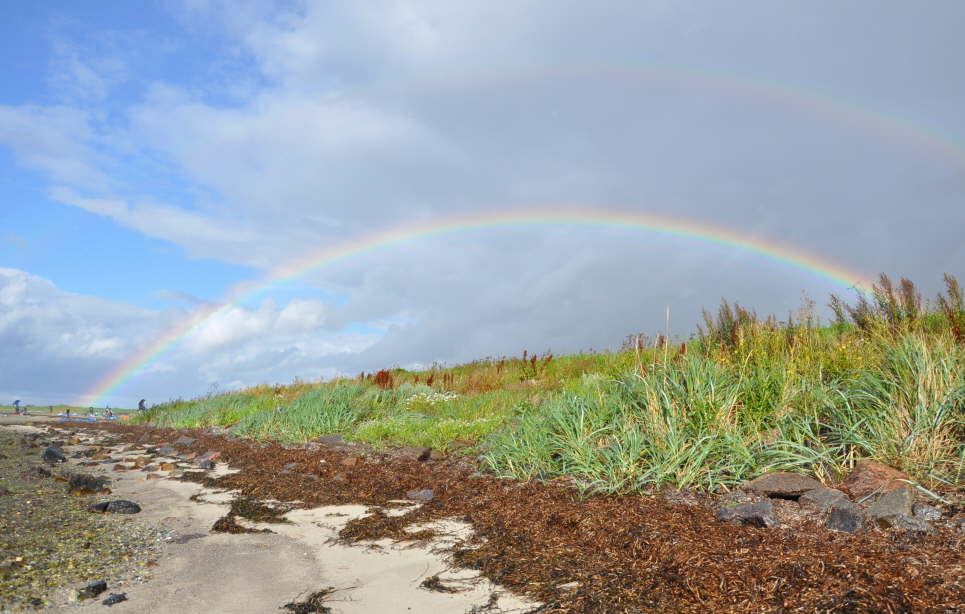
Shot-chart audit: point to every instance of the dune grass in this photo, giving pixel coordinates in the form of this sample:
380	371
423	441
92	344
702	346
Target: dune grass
744	395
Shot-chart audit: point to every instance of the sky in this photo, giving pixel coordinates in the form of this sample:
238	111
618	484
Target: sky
165	166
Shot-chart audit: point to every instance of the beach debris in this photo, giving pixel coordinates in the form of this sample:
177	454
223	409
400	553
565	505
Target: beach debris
757	514
118	506
92	590
782	485
845	519
433	583
114	598
54	455
312	604
869	477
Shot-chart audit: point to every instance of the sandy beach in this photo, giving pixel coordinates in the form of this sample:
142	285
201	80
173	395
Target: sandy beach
200	571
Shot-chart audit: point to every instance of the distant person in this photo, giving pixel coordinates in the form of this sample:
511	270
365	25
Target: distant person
68	412
51	412
16	407
140	405
109	413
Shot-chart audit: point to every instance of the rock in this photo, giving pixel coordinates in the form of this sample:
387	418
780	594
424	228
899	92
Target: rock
38	472
825	497
110	461
869	476
907	523
100	456
210	455
54	455
185	441
120	467
414	453
149	468
759	514
73	441
153	476
437	455
92	590
206	465
782	485
168	451
289	467
329	440
115	598
85	483
188	456
349	461
424	494
846	519
142	461
928	513
166	466
891	505
118	506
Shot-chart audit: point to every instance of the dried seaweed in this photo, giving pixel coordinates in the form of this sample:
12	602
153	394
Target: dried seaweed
626	554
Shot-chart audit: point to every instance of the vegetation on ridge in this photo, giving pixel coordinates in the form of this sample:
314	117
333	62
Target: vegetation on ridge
745	395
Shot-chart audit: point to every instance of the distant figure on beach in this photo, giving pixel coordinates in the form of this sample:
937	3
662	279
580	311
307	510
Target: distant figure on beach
16	407
51	412
140	405
108	412
68	412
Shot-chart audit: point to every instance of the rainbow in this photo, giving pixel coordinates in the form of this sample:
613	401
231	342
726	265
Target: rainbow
675	227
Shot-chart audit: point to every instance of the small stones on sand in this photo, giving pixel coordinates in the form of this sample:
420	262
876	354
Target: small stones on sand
115	598
118	506
782	485
92	590
757	514
53	455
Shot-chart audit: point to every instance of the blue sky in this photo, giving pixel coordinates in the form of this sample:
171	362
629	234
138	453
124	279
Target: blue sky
158	157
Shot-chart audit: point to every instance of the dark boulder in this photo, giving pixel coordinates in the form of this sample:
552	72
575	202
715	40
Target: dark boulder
845	519
54	455
758	514
118	506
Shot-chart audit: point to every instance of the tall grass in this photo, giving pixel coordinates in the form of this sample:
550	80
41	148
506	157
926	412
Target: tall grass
745	395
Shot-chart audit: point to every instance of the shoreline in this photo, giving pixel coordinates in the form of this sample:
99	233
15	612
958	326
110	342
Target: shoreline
651	553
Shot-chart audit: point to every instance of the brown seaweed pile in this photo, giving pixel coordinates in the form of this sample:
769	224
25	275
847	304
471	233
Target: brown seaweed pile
611	554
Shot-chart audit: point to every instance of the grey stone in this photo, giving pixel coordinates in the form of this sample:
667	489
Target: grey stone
759	514
892	504
826	498
54	455
185	441
782	484
92	590
115	598
166	450
424	494
120	506
905	523
846	519
926	512
206	464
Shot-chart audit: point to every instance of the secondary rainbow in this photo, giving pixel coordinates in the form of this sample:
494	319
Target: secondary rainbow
678	227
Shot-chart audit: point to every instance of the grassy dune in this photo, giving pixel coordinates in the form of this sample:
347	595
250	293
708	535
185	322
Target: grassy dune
743	396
